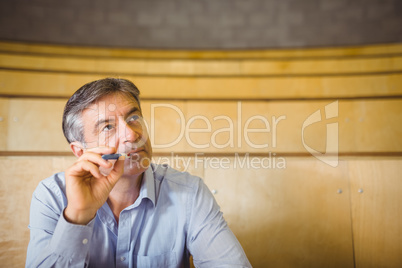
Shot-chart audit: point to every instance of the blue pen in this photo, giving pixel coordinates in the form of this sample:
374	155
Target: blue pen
113	156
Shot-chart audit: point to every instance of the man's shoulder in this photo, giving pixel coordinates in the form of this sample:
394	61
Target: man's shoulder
55	183
168	174
52	192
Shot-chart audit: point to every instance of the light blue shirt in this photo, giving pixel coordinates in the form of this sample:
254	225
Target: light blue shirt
175	215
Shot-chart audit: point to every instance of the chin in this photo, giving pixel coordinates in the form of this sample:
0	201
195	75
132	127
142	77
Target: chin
136	167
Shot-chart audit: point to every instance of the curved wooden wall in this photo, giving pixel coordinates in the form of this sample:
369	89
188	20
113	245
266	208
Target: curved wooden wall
288	208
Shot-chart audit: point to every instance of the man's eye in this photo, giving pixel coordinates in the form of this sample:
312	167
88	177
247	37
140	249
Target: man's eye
134	118
107	128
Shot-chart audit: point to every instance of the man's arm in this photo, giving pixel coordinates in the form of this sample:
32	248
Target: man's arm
54	241
61	230
210	241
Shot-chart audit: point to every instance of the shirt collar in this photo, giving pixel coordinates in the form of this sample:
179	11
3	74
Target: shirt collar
147	187
147	190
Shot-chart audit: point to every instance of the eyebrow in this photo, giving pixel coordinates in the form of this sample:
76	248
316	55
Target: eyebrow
133	110
100	122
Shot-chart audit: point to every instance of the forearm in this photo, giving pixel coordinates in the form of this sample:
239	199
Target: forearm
68	246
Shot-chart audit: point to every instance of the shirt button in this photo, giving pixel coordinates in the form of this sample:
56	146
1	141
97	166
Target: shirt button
85	241
122	258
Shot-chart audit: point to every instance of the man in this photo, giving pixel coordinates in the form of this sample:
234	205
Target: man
127	212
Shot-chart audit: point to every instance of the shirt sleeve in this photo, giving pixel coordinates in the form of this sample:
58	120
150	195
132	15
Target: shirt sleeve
54	242
210	240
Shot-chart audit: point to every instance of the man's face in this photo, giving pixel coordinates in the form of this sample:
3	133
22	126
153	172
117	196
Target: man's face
116	121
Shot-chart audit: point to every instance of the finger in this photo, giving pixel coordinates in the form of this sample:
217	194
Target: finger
102	150
95	158
83	169
117	171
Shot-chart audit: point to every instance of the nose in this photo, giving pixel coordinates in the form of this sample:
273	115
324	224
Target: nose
129	134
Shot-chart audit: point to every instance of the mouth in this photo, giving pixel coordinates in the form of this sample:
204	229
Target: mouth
135	151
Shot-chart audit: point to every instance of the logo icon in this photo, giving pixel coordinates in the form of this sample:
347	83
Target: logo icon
330	157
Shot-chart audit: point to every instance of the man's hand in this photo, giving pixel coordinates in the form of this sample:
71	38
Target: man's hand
87	188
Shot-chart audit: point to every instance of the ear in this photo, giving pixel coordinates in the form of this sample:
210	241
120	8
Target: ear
77	148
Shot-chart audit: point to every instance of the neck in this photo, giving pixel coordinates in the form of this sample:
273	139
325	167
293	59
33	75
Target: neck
124	194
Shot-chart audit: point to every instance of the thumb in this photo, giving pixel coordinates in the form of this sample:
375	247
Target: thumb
117	171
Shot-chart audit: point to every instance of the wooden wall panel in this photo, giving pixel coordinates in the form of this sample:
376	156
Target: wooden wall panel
365	126
22	83
352	51
286	212
376	189
19	177
292	216
188	67
211	126
323	67
284	216
17	83
4	109
368	125
35	125
164	129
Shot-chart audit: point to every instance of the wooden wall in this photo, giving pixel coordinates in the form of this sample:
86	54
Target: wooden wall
287	207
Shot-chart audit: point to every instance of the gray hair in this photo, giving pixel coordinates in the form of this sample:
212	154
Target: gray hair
87	95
